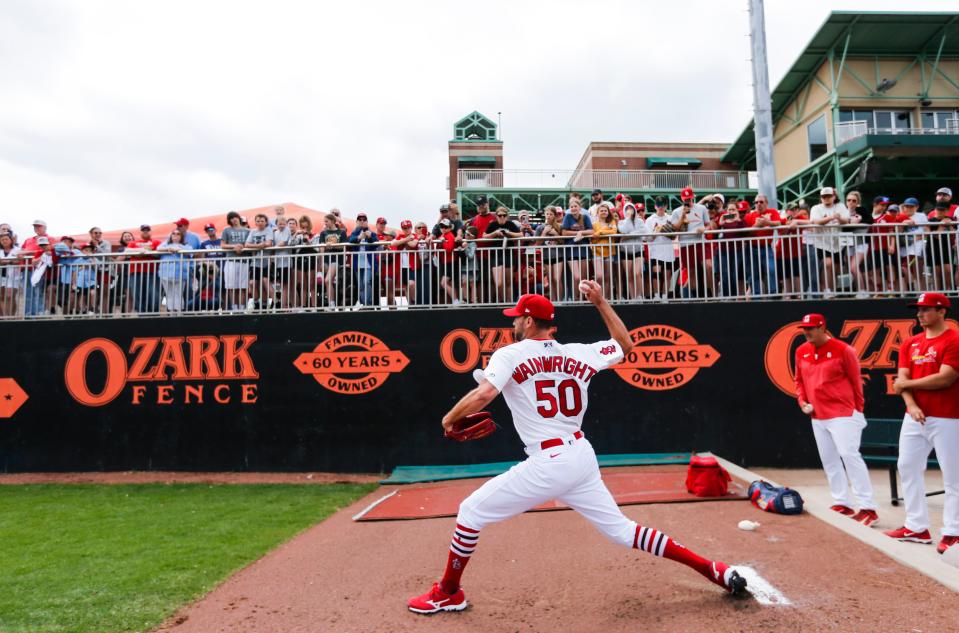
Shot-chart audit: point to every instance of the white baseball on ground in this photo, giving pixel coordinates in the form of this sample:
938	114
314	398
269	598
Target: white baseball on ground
478	375
748	525
583	287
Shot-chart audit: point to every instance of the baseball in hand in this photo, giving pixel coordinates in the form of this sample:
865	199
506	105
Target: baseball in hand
807	408
584	287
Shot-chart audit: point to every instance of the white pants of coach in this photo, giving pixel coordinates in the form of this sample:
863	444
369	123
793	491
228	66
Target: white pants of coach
916	442
838	442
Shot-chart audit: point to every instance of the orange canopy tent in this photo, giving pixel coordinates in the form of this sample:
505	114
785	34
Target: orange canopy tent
161	231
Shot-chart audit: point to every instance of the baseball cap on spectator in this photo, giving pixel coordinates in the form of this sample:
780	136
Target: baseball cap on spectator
43	239
827	191
640	206
659	201
445	223
209	227
742	205
597	191
406	225
381	220
481	200
67	237
880	200
813	320
721	197
686	194
86	246
39	223
945	190
536	306
146	227
892	207
910	202
181	222
931	300
444	208
361	217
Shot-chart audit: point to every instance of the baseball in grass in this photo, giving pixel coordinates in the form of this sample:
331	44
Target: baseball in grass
748	525
583	287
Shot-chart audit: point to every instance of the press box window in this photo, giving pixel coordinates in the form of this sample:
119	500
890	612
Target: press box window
816	132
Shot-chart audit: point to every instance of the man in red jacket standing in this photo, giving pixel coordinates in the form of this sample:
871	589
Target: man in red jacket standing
928	381
829	389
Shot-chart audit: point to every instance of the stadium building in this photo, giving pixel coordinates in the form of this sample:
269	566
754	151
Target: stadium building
871	103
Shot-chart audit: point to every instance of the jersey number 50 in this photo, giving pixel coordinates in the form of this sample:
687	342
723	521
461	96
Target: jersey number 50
564	398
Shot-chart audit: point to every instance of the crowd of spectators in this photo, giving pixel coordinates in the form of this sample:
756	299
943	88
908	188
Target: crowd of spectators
711	247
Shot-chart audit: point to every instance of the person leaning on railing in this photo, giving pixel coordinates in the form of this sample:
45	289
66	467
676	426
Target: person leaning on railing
762	258
790	251
825	246
882	264
332	241
236	269
502	229
604	249
912	244
632	244
174	270
552	252
662	255
691	221
730	248
304	273
578	226
406	262
940	254
364	243
11	274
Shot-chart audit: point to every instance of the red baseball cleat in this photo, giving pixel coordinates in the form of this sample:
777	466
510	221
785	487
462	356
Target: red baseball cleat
946	543
436	600
727	578
903	534
841	509
866	517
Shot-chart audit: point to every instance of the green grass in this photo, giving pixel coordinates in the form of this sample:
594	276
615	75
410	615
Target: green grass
101	559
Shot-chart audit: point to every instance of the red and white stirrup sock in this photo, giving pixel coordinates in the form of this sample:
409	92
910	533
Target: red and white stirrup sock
461	548
658	544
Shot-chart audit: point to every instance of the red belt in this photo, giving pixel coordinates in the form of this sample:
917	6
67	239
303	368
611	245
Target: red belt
557	441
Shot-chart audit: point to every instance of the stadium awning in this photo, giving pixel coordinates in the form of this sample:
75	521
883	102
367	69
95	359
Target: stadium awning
672	161
474	160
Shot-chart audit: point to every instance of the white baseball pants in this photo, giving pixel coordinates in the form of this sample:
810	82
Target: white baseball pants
838	442
567	473
916	442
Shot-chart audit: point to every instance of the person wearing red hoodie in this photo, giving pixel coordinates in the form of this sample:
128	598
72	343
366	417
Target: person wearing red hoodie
829	389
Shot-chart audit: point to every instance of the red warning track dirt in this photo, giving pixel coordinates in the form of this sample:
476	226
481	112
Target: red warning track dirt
551	571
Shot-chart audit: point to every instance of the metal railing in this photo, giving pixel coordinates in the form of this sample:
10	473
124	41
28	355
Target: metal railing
798	262
850	130
606	179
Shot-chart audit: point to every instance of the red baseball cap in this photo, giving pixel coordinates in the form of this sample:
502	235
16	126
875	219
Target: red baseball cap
381	220
181	222
406	224
813	320
209	226
742	205
687	194
931	300
640	206
536	306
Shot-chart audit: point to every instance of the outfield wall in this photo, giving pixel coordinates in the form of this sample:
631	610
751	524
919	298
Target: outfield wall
364	392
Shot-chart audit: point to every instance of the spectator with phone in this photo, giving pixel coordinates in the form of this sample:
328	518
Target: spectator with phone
502	229
730	248
691	221
761	267
365	243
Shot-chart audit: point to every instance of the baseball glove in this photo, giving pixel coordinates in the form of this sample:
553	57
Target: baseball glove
475	426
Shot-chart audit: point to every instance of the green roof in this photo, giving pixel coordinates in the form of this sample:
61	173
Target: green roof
476	159
886	34
653	161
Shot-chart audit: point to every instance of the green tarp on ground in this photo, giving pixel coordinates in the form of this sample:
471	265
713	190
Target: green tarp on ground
419	474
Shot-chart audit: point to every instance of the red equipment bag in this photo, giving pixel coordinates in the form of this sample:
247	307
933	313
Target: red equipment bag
706	478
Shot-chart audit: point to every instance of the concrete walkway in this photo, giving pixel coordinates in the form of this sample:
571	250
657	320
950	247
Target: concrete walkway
811	484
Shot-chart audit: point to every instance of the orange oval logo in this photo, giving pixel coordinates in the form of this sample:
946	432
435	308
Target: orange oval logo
351	363
75	372
779	357
664	358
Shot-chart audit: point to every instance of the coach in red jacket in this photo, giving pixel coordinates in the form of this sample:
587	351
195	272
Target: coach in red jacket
829	389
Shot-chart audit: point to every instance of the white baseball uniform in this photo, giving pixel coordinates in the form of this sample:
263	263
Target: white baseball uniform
545	385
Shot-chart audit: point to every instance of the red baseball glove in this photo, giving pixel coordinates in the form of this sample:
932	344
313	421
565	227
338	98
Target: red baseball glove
475	426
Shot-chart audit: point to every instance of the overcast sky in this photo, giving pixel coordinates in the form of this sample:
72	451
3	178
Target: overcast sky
116	113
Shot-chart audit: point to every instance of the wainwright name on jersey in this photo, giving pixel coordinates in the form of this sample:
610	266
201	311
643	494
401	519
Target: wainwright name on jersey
545	382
